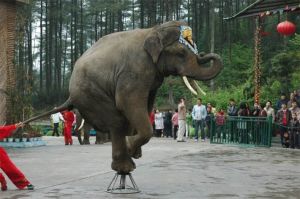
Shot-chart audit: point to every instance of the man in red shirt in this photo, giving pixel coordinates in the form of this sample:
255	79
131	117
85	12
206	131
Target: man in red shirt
14	174
69	118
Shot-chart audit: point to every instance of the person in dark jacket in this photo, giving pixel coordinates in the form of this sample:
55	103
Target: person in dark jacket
283	118
294	132
282	100
168	124
256	110
232	108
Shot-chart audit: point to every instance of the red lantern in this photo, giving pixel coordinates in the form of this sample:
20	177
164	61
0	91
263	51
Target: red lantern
286	28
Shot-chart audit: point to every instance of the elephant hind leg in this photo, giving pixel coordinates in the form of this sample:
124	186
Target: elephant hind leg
86	134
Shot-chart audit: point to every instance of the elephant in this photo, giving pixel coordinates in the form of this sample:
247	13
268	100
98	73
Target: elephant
83	128
114	83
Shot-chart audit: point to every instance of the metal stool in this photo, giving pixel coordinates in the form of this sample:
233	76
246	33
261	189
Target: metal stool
118	184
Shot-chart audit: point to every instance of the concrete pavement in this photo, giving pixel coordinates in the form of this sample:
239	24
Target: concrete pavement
167	170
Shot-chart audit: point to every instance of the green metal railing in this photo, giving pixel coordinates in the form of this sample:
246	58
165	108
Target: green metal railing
256	131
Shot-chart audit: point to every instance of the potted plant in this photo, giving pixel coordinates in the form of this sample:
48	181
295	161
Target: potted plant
18	135
32	133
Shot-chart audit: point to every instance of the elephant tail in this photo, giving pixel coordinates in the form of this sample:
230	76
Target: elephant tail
67	105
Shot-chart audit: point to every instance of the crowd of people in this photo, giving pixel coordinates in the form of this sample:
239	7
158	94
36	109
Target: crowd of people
176	124
285	118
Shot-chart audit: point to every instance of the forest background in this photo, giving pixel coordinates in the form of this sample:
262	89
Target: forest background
52	34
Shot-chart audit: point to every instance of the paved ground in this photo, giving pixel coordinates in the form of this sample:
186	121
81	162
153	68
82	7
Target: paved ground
167	170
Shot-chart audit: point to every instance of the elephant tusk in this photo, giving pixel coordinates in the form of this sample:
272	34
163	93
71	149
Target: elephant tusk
198	88
81	125
188	85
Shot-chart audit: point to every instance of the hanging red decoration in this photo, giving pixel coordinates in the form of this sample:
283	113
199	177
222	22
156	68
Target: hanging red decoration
286	28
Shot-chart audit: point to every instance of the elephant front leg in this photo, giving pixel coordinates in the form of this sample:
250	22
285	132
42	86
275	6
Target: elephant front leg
134	104
140	121
122	162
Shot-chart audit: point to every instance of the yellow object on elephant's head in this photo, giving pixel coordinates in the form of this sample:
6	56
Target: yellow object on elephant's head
187	34
186	38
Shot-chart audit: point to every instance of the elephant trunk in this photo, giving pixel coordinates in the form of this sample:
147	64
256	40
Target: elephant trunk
208	72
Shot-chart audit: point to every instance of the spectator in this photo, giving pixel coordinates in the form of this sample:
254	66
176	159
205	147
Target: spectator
151	118
297	97
56	118
189	122
294	108
248	109
181	120
242	133
199	114
283	118
209	118
243	110
297	139
256	110
168	124
220	122
282	100
292	99
263	112
232	109
175	124
269	110
213	109
294	132
159	123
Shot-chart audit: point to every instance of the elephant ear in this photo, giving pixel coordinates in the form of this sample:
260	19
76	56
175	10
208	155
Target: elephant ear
153	45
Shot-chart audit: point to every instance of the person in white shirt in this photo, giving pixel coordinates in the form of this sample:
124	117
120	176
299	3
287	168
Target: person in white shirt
56	118
159	123
269	110
199	114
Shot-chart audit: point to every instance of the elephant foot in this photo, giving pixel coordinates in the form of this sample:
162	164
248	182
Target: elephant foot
99	142
86	142
123	165
135	152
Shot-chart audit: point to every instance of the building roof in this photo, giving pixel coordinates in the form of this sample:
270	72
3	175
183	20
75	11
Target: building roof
18	1
267	7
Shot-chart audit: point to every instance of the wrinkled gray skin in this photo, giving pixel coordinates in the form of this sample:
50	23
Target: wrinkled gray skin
114	83
101	137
